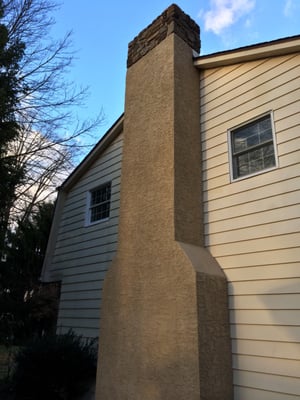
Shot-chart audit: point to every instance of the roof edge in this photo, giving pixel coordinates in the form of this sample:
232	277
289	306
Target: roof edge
257	51
102	144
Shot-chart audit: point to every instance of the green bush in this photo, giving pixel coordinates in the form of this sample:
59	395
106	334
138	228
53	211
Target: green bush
54	367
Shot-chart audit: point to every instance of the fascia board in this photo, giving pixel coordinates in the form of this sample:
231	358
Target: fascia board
104	142
249	53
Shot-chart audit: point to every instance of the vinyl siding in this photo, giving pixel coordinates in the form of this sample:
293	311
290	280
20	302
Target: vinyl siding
83	252
252	226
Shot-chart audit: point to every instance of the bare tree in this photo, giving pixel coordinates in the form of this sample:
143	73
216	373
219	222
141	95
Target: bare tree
46	165
46	102
48	98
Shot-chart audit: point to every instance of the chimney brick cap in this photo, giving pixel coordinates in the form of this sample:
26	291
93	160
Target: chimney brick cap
172	20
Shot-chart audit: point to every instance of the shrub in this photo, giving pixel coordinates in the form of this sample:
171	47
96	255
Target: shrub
54	367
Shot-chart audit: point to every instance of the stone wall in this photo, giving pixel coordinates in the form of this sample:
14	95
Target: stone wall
173	20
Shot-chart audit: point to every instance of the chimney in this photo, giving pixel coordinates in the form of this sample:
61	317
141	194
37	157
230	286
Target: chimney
164	329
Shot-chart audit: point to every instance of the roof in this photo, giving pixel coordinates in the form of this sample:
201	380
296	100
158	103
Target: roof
249	53
242	54
92	156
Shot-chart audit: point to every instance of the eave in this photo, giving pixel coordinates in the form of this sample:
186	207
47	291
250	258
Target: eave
103	143
249	53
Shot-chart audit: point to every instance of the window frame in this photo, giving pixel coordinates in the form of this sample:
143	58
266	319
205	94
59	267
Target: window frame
89	206
230	134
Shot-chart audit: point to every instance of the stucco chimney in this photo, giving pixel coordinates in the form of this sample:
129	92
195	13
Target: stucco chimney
164	327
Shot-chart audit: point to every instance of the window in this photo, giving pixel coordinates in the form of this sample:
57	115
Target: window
99	203
252	147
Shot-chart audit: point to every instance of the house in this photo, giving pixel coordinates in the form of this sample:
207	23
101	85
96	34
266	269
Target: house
81	246
194	261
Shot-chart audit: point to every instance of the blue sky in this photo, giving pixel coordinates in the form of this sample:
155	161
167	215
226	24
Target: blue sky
103	29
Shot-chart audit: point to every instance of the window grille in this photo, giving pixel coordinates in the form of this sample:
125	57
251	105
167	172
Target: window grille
99	207
252	147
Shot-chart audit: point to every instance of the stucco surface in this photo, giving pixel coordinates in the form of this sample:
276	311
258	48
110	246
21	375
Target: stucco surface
149	335
149	338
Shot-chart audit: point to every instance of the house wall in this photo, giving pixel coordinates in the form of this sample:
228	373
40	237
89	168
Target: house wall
252	226
82	253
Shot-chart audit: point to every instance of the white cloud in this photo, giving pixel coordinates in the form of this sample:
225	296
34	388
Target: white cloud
287	8
248	23
224	13
291	8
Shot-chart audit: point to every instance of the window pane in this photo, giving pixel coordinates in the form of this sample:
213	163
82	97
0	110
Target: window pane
245	137
239	142
252	147
255	155
243	159
269	162
253	140
268	150
256	165
243	170
100	195
243	164
265	127
265	136
100	212
252	134
100	203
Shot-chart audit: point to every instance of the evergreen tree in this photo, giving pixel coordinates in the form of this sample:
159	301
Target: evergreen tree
39	132
39	129
24	308
11	52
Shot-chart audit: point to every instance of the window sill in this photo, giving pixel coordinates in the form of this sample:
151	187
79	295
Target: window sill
100	221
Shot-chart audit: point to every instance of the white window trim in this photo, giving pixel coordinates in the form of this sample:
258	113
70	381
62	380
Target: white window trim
230	155
88	208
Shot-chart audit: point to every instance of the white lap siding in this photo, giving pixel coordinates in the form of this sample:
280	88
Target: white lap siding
83	253
252	226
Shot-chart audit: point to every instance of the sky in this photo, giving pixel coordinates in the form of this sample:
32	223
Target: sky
102	30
